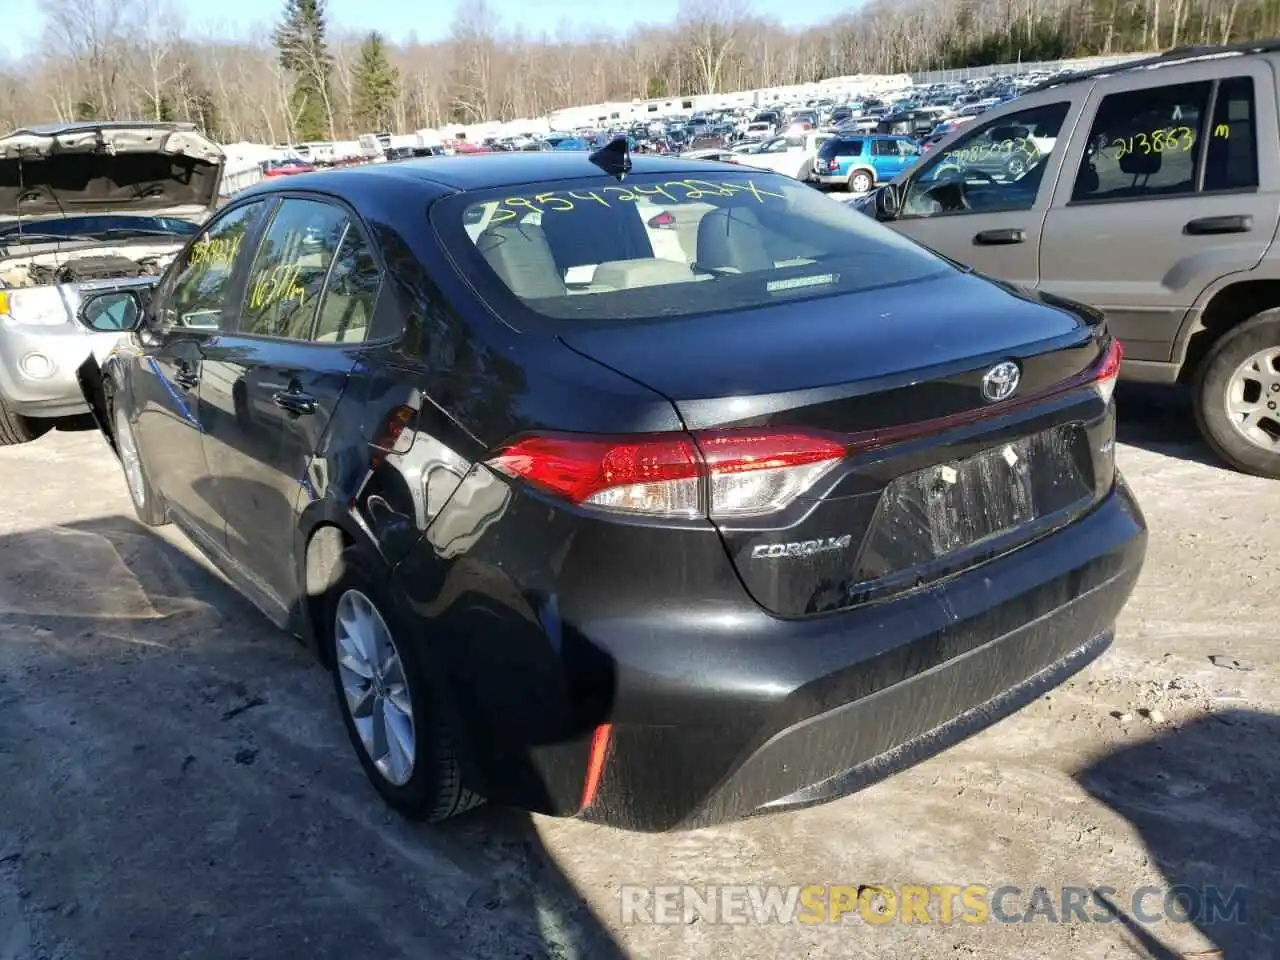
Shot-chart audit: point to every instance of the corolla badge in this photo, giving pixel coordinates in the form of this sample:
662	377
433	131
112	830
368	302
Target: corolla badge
1001	381
800	548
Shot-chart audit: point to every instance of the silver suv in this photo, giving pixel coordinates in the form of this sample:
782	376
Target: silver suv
85	206
1150	190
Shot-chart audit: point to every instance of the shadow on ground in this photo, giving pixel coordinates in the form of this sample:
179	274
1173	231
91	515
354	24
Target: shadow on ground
1212	830
176	782
1158	418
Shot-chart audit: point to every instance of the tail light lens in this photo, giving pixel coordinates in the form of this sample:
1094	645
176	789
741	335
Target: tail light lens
715	474
662	221
1107	372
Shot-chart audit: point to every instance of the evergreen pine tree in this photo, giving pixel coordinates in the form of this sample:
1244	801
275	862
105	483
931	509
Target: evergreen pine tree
377	85
300	39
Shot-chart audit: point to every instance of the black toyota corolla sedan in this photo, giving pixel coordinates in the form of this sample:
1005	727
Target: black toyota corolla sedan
657	493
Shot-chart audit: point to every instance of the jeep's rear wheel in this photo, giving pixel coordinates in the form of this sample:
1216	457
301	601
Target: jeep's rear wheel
1237	396
860	182
15	428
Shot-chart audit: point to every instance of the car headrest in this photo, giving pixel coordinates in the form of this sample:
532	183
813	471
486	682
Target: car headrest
1000	134
1087	182
629	274
1139	164
731	239
520	255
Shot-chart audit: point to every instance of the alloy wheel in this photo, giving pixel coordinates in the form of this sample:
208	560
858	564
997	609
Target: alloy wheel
130	460
374	687
1253	399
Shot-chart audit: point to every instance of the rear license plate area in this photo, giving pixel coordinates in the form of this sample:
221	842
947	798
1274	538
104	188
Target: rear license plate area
999	498
967	501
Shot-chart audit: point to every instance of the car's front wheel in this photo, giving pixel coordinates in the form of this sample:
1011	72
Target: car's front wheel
1237	396
395	716
860	182
15	429
146	502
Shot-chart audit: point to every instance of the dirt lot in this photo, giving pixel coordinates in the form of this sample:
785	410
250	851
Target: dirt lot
175	782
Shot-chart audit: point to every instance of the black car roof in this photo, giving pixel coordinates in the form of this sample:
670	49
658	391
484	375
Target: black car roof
475	172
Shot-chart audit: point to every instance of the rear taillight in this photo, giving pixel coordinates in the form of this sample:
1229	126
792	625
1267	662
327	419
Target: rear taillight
662	221
1107	372
730	473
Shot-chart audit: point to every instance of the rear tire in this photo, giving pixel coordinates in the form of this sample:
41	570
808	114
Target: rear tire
147	504
15	429
1241	372
861	182
378	681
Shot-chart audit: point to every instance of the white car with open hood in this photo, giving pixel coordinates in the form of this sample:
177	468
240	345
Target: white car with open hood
85	206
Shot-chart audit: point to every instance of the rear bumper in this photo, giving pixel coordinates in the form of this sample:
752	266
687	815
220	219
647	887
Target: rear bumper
804	711
579	693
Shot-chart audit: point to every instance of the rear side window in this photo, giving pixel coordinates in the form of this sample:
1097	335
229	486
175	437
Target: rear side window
1232	161
842	148
288	273
656	247
1165	142
349	300
885	148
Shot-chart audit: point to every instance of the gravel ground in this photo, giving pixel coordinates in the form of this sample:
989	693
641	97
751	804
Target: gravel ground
175	781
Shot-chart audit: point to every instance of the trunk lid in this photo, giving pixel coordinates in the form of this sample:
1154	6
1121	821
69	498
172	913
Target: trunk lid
936	476
839	363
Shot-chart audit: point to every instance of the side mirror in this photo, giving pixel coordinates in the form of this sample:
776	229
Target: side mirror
888	202
111	311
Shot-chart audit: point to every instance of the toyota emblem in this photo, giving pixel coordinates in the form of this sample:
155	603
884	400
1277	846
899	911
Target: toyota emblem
1000	382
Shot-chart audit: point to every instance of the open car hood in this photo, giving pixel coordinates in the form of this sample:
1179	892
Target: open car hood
98	167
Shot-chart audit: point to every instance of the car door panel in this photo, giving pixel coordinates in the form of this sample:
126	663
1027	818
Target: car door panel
1146	260
183	318
276	381
259	454
1004	240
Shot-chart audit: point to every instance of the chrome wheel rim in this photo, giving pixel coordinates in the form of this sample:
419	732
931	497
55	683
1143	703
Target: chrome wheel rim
130	460
1253	399
861	183
374	687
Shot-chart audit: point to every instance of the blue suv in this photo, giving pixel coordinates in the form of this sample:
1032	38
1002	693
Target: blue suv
859	163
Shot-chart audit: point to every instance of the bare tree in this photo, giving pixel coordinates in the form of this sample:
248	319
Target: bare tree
157	26
711	29
136	58
474	37
91	33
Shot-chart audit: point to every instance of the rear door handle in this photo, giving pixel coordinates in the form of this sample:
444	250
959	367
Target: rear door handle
1207	226
999	238
187	379
295	402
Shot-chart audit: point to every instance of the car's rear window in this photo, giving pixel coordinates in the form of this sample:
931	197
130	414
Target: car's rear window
841	148
653	247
